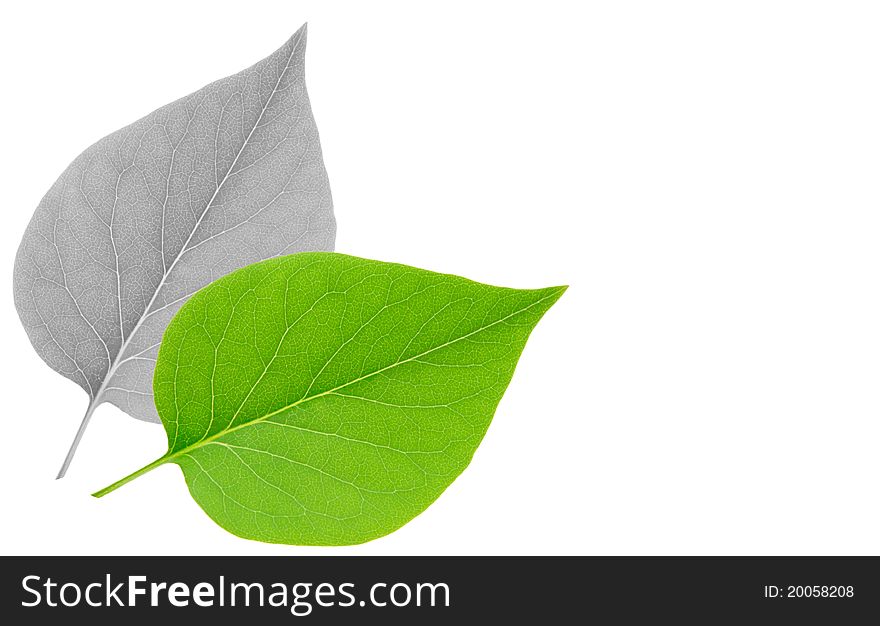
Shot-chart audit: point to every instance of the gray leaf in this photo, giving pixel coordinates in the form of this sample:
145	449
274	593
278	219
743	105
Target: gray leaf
227	176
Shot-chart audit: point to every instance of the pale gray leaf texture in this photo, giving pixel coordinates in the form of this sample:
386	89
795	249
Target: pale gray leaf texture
227	176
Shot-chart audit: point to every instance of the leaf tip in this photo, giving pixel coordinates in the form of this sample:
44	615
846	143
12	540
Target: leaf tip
296	45
302	32
557	291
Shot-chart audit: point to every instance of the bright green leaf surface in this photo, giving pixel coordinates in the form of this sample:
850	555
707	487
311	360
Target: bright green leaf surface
325	399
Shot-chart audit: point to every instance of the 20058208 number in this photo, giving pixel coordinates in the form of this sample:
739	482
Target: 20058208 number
820	591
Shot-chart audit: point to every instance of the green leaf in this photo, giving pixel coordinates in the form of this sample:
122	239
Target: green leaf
323	399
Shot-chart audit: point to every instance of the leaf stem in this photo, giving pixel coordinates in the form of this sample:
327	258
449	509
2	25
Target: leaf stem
79	433
146	468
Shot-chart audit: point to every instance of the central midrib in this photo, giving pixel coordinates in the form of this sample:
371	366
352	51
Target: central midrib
169	457
301	401
119	355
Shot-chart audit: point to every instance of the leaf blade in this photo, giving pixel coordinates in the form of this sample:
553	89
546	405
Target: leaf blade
320	437
226	176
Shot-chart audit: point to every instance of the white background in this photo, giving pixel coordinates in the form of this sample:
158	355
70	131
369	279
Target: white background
703	175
